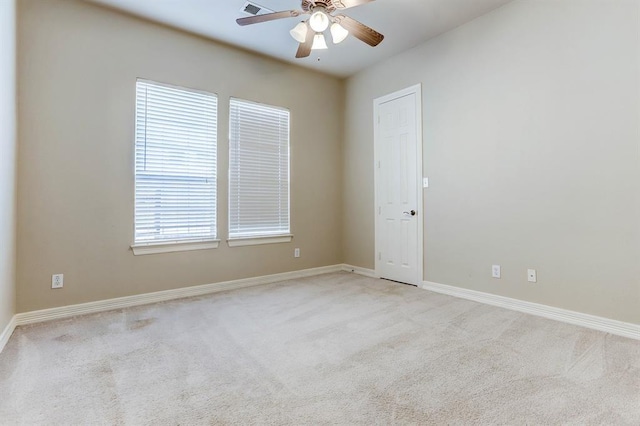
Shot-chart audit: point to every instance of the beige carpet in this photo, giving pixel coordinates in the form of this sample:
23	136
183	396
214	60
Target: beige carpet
332	349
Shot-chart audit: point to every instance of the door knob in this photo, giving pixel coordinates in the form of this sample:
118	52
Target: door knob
412	212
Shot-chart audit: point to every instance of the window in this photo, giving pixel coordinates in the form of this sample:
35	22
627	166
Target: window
258	173
175	169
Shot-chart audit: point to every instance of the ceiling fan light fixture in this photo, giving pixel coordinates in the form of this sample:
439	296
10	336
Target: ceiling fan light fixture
319	21
338	33
319	42
310	33
299	32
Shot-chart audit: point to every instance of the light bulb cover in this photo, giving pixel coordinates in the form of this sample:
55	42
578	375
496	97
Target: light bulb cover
299	32
319	42
338	33
319	21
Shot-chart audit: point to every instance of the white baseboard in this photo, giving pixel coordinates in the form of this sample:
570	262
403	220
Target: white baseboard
7	332
360	271
161	296
585	320
607	325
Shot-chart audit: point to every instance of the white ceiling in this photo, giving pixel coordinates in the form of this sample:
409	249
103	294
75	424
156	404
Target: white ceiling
404	23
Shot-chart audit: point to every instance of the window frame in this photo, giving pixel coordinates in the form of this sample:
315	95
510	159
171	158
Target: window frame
176	245
249	240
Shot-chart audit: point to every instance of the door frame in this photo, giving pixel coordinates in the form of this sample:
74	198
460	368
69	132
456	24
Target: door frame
417	91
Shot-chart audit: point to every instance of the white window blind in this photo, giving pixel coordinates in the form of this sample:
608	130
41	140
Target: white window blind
175	175
258	170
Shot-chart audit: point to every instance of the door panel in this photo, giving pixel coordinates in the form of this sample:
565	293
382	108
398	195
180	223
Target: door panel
397	195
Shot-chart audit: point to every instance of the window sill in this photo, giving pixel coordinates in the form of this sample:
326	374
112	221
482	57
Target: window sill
144	249
254	241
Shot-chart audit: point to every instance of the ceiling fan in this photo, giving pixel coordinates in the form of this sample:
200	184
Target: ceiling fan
310	33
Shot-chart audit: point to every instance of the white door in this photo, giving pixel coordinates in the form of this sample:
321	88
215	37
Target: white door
398	163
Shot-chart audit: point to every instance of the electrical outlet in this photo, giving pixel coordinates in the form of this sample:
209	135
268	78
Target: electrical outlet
57	281
495	271
296	252
532	276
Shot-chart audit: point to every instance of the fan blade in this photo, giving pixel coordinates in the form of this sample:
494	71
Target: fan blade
346	4
268	17
360	31
304	49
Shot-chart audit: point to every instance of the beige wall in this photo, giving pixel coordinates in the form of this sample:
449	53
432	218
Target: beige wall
7	160
78	65
531	133
531	143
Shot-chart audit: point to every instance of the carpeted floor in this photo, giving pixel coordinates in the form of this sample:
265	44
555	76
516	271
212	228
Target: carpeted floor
332	349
